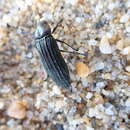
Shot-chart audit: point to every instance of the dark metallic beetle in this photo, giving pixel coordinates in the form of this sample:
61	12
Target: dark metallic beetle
50	55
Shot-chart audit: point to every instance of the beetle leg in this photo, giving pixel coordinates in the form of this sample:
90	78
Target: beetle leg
66	44
83	54
43	73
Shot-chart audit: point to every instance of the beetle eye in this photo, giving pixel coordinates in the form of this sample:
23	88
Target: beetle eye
39	32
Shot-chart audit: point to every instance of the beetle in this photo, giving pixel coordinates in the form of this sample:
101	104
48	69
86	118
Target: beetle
50	55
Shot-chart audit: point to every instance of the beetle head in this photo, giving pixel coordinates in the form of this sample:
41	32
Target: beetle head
42	29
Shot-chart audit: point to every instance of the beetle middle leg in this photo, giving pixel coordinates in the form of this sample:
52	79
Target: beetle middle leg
83	54
66	44
73	52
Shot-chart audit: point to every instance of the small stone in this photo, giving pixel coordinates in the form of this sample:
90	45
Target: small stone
104	46
7	19
48	1
127	4
98	66
17	109
84	82
123	43
56	90
1	105
126	51
106	76
109	86
92	42
89	128
30	114
109	109
81	127
47	16
89	95
120	44
82	69
3	36
92	112
72	2
98	99
100	84
80	1
72	110
124	18
39	1
59	105
80	107
78	19
5	89
3	32
128	29
29	55
112	6
11	123
114	38
43	114
128	68
127	103
126	41
59	127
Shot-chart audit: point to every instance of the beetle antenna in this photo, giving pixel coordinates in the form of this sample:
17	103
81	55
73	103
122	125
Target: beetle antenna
57	25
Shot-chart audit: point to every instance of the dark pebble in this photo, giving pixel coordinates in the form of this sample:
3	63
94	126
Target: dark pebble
59	127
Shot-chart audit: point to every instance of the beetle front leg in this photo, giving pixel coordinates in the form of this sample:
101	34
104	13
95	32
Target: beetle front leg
54	29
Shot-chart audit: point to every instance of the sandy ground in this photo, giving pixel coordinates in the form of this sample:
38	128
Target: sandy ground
100	98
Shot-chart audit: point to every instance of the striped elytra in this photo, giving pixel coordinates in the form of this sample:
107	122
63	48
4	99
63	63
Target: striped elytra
50	55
